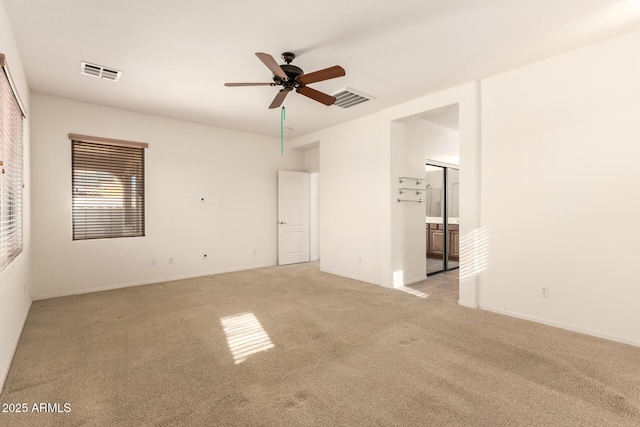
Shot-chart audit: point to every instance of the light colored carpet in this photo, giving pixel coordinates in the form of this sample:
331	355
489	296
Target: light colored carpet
344	353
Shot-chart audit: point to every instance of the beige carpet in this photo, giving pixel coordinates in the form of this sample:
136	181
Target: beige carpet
344	353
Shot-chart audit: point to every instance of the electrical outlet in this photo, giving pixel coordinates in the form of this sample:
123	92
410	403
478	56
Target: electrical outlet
154	262
544	291
170	260
255	252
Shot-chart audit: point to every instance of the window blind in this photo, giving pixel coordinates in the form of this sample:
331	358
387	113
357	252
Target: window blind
108	188
11	115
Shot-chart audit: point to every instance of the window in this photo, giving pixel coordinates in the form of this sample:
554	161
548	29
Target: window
11	114
107	188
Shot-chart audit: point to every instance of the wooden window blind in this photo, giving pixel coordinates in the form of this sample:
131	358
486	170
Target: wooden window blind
11	115
108	188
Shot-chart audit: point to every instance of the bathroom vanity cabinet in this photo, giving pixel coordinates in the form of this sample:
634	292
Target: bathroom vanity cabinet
435	241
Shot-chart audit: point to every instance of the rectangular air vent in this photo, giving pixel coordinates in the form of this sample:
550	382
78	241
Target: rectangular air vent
348	97
99	71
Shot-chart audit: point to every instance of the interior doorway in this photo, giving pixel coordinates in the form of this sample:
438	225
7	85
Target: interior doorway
411	142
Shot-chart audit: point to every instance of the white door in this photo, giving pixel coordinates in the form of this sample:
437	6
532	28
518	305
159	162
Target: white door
293	217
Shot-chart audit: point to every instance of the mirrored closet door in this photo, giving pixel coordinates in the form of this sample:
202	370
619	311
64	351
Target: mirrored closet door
442	219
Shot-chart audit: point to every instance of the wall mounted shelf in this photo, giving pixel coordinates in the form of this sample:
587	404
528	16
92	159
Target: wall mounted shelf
408	178
417	190
407	200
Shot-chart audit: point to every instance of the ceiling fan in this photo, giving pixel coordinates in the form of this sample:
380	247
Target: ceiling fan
291	77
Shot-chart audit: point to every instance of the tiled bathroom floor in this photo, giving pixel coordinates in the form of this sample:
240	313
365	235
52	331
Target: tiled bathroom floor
444	285
435	264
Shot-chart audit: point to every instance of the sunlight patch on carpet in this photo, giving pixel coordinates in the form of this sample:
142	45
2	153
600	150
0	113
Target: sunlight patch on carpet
245	336
413	292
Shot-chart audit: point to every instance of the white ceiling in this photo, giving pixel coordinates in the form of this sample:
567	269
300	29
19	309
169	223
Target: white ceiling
448	117
176	55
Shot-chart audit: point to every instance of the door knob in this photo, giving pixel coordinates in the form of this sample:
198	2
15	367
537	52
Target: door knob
281	222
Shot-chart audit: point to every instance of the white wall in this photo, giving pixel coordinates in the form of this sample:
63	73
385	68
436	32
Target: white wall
235	172
558	138
15	280
441	143
312	159
349	198
409	241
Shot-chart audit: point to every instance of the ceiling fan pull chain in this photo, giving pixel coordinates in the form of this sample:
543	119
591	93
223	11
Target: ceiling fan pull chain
282	117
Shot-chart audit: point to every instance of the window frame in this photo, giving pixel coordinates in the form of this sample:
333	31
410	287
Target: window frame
107	218
12	115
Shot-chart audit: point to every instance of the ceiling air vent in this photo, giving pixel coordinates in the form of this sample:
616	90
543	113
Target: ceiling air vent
348	97
99	71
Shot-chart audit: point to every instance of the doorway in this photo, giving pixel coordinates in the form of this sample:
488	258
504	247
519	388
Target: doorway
442	225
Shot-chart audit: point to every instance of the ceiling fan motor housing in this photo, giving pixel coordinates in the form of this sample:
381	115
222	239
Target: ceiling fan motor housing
291	71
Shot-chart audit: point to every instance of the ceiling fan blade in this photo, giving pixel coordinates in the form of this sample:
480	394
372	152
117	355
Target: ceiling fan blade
279	99
248	84
320	75
271	64
316	95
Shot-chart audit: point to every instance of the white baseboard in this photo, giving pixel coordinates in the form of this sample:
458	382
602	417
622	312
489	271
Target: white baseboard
415	280
359	279
140	283
475	306
5	369
610	337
